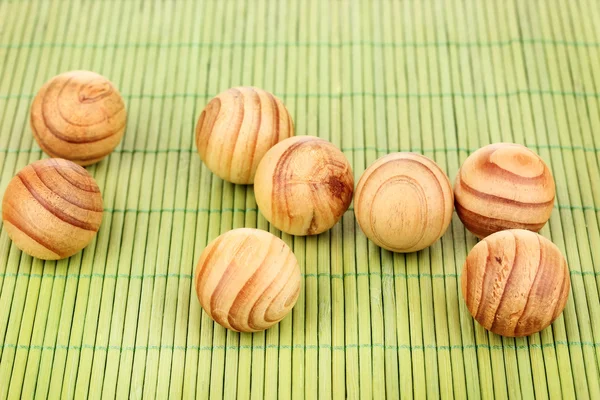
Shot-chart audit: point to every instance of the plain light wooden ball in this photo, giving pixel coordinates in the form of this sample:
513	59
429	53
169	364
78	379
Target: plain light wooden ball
52	209
304	185
79	116
247	280
504	186
404	202
515	282
237	128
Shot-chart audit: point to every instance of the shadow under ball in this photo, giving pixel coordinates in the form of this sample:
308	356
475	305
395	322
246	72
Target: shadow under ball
404	202
52	209
79	116
515	282
247	280
237	128
304	185
503	186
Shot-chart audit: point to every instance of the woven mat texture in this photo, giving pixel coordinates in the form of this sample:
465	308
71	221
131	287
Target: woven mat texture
441	78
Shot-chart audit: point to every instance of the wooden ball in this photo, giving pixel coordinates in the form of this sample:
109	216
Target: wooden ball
247	280
237	128
79	116
515	282
404	202
304	185
52	209
504	186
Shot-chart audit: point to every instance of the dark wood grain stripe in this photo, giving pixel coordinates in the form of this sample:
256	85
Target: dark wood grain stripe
276	127
541	264
71	199
290	125
207	124
34	236
502	200
203	268
70	155
241	106
312	228
470	270
286	279
292	299
101	121
494	169
78	169
280	191
516	261
62	154
564	291
229	271
243	294
57	212
254	135
382	165
80	185
422	210
482	225
479	312
281	275
78	140
438	184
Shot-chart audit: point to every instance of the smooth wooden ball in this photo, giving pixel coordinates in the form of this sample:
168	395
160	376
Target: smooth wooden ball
237	128
404	202
247	280
515	282
304	185
79	116
52	209
504	186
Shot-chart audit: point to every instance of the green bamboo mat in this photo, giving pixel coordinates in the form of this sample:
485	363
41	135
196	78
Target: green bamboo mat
440	78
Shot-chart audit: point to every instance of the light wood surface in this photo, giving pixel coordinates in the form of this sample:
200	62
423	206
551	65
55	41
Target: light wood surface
237	128
52	209
515	282
404	202
504	186
247	280
304	185
79	116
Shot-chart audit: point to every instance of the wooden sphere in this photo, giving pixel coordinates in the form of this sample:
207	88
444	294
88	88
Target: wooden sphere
247	280
304	185
79	116
237	128
52	209
504	186
515	282
404	202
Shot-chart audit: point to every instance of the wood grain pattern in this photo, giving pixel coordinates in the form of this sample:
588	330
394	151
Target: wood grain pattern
404	202
515	282
237	128
504	186
247	280
79	116
52	209
304	185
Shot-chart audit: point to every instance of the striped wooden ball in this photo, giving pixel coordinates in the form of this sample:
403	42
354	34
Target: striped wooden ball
52	209
237	128
247	280
404	202
515	282
79	116
503	186
304	185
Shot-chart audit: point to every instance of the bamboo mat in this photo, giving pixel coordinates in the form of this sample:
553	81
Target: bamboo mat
441	78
